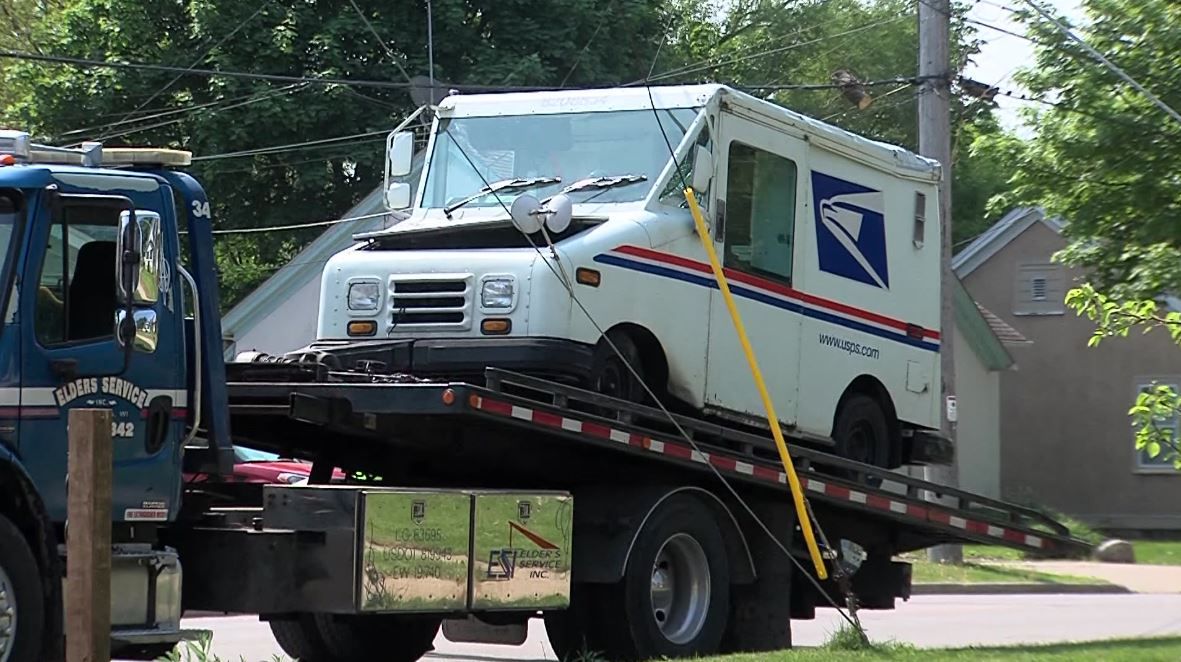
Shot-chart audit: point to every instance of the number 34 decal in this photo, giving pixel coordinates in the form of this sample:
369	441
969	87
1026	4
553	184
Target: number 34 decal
122	429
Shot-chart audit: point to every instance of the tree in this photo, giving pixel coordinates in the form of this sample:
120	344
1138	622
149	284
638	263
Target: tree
1103	156
766	42
1114	319
498	42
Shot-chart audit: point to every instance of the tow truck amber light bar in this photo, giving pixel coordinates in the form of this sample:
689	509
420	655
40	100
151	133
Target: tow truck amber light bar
18	146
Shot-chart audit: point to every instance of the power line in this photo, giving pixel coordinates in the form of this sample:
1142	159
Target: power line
1107	63
249	101
389	51
262	151
301	226
163	113
710	64
199	59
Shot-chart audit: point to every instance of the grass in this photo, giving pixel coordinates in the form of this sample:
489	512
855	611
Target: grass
1157	552
926	572
1117	650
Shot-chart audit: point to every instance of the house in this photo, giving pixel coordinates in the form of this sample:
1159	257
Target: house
280	315
981	347
1066	440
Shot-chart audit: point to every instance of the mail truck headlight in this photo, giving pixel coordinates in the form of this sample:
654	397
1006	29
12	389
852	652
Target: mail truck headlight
497	293
364	296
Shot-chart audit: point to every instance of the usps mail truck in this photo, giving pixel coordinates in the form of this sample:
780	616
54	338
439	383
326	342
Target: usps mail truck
544	222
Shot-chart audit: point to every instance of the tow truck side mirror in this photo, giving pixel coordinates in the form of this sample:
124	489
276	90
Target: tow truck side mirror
703	170
400	152
127	250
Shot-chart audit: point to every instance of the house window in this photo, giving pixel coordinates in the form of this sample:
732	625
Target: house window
1040	290
761	203
1168	427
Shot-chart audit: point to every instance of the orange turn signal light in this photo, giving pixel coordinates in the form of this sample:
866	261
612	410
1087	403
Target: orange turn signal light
496	326
588	276
362	328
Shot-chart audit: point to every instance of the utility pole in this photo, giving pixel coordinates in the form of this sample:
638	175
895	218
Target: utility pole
935	142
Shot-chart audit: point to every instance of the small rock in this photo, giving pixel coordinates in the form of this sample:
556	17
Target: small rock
1115	551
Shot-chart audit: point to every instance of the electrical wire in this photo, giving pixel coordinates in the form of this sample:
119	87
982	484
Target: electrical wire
684	71
301	226
262	151
389	51
158	113
200	58
1107	63
264	97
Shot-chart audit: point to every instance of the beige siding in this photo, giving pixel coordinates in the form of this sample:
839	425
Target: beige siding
1066	440
978	428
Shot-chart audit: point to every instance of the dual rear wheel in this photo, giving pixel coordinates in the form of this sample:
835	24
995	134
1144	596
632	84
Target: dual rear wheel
673	600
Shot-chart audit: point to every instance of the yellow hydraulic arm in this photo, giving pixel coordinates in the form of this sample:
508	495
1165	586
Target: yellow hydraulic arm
797	492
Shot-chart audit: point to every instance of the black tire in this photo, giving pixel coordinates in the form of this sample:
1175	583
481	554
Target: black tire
610	375
20	592
630	615
300	638
388	638
862	434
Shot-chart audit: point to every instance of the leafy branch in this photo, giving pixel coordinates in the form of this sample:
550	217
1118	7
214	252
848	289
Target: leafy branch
1157	405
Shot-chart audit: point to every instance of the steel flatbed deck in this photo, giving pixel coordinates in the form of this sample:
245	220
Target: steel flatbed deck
931	512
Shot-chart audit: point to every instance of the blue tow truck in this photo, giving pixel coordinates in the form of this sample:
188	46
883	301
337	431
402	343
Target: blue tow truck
459	512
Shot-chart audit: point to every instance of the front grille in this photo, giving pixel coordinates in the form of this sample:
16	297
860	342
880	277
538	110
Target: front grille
437	301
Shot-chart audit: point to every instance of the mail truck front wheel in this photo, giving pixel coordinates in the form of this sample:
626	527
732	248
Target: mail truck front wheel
611	375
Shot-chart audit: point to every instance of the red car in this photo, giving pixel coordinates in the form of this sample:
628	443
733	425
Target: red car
255	466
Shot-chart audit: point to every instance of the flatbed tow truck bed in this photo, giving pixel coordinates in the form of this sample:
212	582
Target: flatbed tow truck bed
514	407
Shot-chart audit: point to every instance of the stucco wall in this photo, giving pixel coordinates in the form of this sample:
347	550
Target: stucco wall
1066	439
978	428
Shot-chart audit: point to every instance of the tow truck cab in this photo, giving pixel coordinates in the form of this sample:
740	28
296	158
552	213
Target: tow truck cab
94	317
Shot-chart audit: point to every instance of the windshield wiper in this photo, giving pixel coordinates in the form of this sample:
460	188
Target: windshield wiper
502	185
606	181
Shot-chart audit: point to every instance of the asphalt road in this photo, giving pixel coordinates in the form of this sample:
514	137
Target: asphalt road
925	621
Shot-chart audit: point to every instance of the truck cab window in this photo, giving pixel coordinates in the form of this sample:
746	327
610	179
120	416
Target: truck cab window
761	212
76	297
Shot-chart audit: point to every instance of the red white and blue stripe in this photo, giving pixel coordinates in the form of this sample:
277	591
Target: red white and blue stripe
771	293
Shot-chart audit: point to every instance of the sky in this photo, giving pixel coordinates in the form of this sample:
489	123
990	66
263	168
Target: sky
1003	54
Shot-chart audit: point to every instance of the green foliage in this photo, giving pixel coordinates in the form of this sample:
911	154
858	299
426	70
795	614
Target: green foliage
806	42
847	638
501	42
1114	317
1103	158
200	651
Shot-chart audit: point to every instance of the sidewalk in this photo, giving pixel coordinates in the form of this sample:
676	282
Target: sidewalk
1138	578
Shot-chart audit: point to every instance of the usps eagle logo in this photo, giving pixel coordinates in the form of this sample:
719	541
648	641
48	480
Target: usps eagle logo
850	230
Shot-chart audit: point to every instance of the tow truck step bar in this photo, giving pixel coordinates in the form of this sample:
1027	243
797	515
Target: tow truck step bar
559	410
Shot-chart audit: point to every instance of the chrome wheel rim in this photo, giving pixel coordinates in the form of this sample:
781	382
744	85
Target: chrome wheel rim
7	617
680	589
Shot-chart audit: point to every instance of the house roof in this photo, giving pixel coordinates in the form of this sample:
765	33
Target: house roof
1003	331
306	265
983	335
992	240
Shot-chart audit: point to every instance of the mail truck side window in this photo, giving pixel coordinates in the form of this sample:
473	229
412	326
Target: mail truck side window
760	212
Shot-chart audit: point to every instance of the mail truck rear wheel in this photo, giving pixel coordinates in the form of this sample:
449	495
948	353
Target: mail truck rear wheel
861	432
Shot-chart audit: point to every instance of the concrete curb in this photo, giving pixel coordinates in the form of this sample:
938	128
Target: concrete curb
1014	589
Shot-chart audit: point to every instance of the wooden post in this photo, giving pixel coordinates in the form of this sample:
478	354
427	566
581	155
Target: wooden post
88	544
